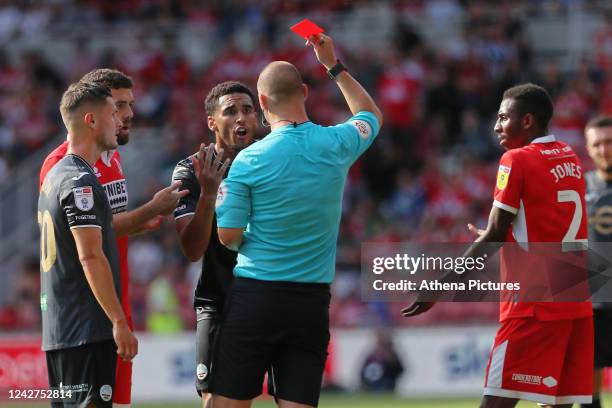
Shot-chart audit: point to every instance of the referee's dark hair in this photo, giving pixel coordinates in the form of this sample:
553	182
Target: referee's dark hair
111	78
599	121
534	99
225	88
80	93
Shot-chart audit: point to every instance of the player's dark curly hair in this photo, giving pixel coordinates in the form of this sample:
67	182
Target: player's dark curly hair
110	77
224	88
82	92
534	99
599	121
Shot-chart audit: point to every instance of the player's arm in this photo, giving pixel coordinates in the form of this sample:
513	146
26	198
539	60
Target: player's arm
144	218
357	98
99	276
489	241
194	231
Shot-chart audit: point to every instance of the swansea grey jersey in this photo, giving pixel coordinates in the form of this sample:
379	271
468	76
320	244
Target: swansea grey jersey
72	197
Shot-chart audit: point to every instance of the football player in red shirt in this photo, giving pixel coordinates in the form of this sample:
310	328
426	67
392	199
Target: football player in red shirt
543	351
144	218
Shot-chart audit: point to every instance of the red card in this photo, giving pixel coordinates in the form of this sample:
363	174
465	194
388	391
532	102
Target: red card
306	28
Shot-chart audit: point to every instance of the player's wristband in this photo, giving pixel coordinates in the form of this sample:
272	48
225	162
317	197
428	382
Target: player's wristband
336	70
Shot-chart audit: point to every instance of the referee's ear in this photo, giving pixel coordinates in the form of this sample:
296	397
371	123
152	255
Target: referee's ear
305	91
263	102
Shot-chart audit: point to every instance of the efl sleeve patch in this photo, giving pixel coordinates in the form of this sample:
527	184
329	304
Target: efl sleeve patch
221	194
83	198
502	176
363	128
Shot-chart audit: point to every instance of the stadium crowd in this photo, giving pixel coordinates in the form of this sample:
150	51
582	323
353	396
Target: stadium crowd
430	172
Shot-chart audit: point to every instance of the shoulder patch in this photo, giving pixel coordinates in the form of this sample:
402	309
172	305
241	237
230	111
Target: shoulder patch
83	198
363	127
502	176
221	194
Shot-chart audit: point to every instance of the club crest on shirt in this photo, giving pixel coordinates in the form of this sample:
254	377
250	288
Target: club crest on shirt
201	371
363	128
83	198
502	176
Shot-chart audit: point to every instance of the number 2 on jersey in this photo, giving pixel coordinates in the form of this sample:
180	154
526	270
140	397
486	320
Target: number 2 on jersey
48	250
566	196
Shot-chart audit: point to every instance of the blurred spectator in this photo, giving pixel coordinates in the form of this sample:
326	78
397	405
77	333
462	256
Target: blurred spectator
382	366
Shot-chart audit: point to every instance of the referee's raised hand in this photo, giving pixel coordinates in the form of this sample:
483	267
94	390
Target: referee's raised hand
323	47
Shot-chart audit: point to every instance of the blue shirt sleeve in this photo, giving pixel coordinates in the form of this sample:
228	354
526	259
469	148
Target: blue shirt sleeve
357	134
233	205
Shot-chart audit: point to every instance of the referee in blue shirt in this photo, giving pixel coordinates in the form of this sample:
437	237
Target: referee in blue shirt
280	207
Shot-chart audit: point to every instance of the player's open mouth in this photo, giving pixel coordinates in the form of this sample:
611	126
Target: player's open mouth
241	132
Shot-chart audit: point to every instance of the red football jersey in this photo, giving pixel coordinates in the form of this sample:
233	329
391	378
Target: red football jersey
109	172
543	184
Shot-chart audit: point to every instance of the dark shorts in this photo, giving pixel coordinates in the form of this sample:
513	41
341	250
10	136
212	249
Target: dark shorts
207	325
602	322
87	371
282	327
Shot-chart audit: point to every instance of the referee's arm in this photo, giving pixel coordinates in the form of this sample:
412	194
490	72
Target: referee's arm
357	98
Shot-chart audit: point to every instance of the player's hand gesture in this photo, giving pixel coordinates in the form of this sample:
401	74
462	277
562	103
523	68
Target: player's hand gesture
127	344
475	231
417	308
209	171
166	199
324	49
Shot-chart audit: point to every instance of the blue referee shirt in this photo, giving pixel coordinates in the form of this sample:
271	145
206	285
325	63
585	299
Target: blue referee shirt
286	190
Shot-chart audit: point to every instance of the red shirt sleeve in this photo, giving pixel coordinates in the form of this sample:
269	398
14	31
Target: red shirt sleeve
47	165
509	183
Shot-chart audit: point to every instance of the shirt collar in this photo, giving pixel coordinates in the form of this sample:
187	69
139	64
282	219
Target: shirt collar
544	139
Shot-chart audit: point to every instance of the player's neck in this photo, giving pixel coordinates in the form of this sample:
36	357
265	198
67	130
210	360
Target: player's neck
228	152
90	152
537	135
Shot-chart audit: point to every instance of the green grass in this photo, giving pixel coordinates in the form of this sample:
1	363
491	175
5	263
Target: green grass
346	401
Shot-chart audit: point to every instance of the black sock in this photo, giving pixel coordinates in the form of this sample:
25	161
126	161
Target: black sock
595	404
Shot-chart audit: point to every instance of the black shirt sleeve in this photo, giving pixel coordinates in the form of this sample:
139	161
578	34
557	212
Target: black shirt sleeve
184	172
83	201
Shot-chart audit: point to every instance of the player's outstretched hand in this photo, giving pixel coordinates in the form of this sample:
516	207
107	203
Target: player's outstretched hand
166	199
209	171
127	344
417	308
475	231
324	49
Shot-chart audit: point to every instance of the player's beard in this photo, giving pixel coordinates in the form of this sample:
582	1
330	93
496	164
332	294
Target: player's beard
123	137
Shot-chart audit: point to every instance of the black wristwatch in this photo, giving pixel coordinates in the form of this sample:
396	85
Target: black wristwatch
336	70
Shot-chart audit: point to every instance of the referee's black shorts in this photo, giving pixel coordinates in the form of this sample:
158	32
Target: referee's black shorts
602	323
280	326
